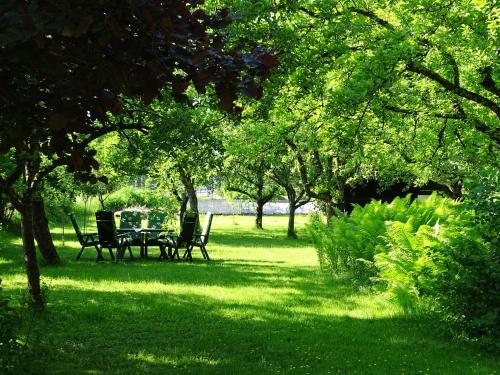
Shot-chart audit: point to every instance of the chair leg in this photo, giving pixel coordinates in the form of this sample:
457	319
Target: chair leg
176	252
188	252
130	252
163	254
112	255
100	258
204	252
80	253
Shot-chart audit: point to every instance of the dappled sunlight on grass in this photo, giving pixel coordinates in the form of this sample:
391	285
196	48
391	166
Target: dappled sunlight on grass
260	306
173	360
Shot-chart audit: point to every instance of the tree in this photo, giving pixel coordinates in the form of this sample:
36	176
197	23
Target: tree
247	170
64	68
187	138
284	173
369	91
265	140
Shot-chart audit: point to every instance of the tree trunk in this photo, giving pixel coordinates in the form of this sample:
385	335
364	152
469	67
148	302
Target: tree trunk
343	196
290	192
42	233
291	221
330	212
260	212
30	262
183	205
193	199
188	184
100	197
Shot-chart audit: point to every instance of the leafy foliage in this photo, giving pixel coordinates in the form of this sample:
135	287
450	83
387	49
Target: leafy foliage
133	197
432	249
484	198
350	245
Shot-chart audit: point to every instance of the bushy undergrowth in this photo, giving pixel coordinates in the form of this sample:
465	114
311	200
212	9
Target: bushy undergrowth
133	197
352	242
21	351
434	250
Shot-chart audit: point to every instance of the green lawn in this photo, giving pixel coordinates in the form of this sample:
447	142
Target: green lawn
260	306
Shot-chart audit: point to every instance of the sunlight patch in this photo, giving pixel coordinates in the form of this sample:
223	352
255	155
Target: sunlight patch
181	360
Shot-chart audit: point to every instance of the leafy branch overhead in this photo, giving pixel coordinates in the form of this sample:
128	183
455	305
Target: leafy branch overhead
65	65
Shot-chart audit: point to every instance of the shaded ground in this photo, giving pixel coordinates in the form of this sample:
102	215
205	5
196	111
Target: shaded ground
260	306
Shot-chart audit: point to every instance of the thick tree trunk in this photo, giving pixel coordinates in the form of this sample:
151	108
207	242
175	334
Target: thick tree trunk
188	184
193	199
260	213
42	233
30	261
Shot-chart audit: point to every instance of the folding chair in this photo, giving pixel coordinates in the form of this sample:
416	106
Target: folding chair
183	240
200	240
86	240
156	220
109	238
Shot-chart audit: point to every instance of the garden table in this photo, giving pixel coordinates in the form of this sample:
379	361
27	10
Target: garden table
144	232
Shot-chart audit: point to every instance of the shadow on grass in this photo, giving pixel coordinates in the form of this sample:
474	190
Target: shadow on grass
235	316
120	332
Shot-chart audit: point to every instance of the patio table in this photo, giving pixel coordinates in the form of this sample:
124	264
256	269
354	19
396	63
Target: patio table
144	232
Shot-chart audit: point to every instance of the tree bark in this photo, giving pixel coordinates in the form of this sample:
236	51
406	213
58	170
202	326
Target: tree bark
292	201
187	181
192	198
42	233
260	213
183	206
30	261
291	221
330	212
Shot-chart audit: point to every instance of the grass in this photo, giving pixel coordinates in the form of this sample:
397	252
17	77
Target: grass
260	306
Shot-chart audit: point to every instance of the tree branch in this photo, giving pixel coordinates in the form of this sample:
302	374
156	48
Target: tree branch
373	17
451	116
488	83
238	190
449	86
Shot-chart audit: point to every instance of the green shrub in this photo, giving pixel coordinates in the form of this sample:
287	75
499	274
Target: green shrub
435	250
468	288
133	197
483	197
350	245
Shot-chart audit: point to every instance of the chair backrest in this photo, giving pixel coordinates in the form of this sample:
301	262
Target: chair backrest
206	228
130	219
78	232
188	226
106	228
156	219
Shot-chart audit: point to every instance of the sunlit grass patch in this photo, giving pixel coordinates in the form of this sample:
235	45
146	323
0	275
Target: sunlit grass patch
260	306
